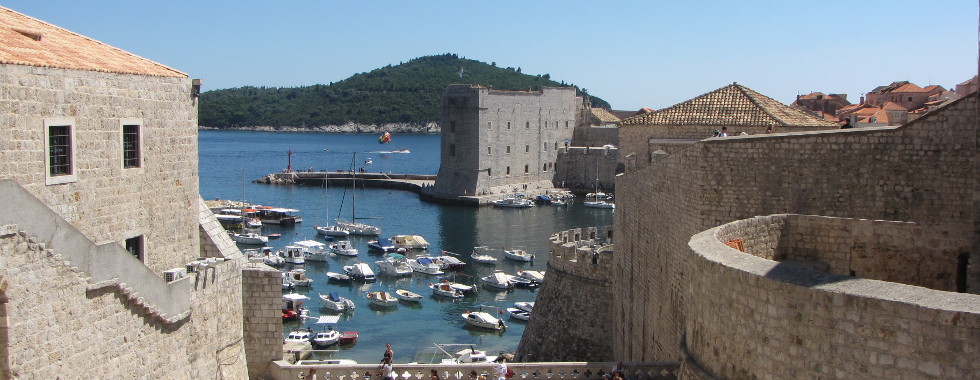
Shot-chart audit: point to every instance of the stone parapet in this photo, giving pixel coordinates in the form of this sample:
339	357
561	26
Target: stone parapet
262	289
583	252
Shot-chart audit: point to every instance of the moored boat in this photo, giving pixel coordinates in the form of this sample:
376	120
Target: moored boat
518	255
448	261
445	290
250	238
331	231
277	215
518	313
348	337
498	280
383	299
292	306
337	277
382	245
513	202
425	265
360	271
394	264
302	335
409	242
526	306
335	302
298	277
313	250
484	320
532	275
294	254
409	296
343	248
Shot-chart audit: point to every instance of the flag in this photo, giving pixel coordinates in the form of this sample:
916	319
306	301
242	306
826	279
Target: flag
386	137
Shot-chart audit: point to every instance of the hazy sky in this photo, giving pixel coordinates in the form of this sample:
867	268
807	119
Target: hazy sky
632	53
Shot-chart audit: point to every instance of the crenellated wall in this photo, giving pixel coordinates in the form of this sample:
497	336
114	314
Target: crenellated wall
571	311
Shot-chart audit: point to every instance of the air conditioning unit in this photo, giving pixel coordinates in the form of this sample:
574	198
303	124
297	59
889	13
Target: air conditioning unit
191	267
174	274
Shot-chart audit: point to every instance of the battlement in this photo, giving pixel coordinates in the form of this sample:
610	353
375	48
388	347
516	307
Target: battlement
585	252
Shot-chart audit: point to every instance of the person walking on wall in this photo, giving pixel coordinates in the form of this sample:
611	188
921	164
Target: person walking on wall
501	370
724	132
847	124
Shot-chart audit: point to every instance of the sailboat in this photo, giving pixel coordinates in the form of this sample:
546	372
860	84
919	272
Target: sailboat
353	226
597	199
328	230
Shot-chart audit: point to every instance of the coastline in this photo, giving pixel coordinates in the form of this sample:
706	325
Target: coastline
431	127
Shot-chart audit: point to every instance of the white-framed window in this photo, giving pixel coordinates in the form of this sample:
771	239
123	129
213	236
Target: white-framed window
131	139
60	155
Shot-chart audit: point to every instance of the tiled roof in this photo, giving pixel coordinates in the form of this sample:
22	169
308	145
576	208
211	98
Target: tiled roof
604	115
867	111
31	42
732	105
933	87
908	87
892	106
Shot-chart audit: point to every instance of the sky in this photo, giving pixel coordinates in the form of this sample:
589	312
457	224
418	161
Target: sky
633	54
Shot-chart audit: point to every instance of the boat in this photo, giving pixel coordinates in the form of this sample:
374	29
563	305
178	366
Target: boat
403	150
292	306
277	215
532	275
348	337
251	218
273	260
409	242
250	238
302	335
264	255
286	283
498	280
343	248
313	250
513	202
381	245
484	320
467	356
518	255
353	226
298	277
360	271
335	302
598	199
383	299
445	290
448	261
425	265
331	231
409	296
518	313
337	277
599	204
480	256
526	306
316	362
328	336
294	254
394	264
524	283
543	199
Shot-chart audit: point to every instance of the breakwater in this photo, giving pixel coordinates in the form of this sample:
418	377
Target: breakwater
410	182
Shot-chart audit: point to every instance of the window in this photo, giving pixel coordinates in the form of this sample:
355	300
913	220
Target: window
545	168
452	126
508	149
135	246
131	146
566	124
508	170
508	125
452	101
60	155
489	150
488	173
527	148
527	125
545	146
452	150
556	145
526	167
489	125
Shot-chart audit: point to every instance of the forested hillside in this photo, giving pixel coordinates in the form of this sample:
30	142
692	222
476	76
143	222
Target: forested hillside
407	93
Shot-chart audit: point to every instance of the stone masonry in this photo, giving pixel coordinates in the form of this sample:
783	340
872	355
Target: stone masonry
263	325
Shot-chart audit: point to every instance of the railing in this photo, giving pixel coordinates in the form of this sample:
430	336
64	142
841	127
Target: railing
281	370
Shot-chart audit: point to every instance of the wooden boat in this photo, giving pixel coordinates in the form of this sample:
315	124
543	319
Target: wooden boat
348	337
383	299
409	296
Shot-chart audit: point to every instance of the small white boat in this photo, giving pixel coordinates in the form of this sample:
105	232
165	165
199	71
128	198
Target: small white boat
343	248
249	238
335	302
513	202
425	265
394	265
532	275
326	338
299	336
358	228
313	250
381	245
599	204
292	306
445	290
274	260
448	261
498	280
286	283
337	277
484	320
518	313
409	296
298	277
479	255
294	254
518	255
410	242
526	306
332	231
383	299
360	271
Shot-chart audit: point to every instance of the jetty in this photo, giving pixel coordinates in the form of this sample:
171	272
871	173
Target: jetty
410	182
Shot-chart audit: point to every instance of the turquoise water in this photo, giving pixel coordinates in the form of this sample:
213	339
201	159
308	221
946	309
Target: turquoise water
229	160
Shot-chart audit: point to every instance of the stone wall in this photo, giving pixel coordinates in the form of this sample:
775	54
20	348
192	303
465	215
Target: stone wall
263	324
759	318
922	172
595	136
571	312
579	167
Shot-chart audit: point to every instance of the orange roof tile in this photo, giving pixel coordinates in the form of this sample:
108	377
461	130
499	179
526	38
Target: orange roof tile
27	41
891	106
604	115
732	105
908	87
867	111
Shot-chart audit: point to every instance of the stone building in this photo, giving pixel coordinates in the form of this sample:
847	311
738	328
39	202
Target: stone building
102	219
822	105
496	142
735	107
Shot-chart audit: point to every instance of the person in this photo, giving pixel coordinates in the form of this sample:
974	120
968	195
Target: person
769	130
386	371
389	354
311	375
433	374
724	132
847	124
501	370
618	367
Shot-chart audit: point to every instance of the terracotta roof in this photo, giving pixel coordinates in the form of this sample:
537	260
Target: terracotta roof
31	42
732	105
932	88
908	87
867	111
604	115
881	117
891	106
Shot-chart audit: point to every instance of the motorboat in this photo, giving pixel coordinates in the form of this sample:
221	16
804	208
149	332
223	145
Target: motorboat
293	254
277	215
299	336
513	202
469	355
348	337
484	320
394	264
292	306
599	196
408	296
543	199
498	280
524	283
448	261
274	260
526	306
480	256
313	250
287	284
337	277
360	271
381	245
445	290
425	265
599	204
409	242
335	302
518	313
331	231
250	238
265	255
343	248
383	299
358	228
598	199
298	277
532	275
518	255
326	338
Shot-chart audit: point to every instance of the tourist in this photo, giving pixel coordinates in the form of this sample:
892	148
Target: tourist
847	124
386	371
617	368
433	374
501	370
769	130
311	375
724	132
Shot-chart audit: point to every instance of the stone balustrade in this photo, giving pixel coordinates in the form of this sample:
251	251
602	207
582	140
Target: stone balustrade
478	371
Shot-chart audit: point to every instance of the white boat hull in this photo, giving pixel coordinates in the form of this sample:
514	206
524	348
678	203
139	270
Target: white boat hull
406	295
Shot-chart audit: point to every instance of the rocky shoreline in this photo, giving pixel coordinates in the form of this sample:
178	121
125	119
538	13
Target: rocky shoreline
345	128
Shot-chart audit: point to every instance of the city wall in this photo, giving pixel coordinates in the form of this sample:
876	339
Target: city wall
763	318
595	136
571	314
576	169
923	172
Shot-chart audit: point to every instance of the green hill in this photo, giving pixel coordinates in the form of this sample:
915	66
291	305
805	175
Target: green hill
407	93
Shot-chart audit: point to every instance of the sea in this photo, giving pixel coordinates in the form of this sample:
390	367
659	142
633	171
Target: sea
230	160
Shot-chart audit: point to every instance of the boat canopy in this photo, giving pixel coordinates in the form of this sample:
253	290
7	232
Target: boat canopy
424	260
294	296
396	256
310	244
334	297
328	319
